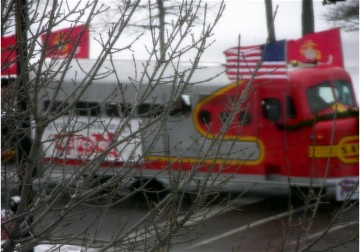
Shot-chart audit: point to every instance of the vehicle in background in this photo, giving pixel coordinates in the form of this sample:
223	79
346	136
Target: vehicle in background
7	215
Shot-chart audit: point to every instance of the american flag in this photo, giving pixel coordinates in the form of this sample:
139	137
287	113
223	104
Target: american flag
241	62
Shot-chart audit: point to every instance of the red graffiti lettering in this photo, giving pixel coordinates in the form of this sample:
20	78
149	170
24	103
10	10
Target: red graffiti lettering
63	144
83	146
102	143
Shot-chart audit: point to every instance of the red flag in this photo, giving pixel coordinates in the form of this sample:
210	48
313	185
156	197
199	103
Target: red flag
319	47
8	55
243	62
60	43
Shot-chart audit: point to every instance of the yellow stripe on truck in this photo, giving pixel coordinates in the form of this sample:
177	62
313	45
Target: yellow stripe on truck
347	150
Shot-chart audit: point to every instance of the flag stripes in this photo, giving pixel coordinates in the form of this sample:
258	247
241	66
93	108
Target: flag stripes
263	62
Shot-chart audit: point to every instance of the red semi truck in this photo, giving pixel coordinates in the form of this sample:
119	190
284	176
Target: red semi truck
302	130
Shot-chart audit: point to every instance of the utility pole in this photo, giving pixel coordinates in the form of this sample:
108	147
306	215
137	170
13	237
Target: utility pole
161	9
307	17
270	20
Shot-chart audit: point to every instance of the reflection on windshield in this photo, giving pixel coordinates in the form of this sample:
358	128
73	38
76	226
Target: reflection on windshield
343	92
320	97
324	95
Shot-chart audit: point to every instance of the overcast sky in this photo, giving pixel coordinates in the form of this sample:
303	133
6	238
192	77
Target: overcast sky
247	18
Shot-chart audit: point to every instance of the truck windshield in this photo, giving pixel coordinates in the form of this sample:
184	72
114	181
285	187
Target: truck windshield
324	95
343	92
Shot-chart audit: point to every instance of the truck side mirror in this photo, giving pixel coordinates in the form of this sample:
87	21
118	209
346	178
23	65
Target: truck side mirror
181	106
186	103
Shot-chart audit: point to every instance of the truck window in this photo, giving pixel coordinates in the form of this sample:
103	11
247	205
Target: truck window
204	117
57	107
143	110
94	108
244	118
271	109
150	110
83	108
320	97
117	110
343	92
324	95
112	110
156	110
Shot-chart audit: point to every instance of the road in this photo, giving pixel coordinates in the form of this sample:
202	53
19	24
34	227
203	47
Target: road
269	226
252	224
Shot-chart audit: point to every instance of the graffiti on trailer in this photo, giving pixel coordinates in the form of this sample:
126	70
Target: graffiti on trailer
73	145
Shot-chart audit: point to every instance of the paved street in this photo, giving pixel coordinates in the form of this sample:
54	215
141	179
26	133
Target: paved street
255	222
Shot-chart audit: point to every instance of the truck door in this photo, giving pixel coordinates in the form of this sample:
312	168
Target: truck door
271	116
